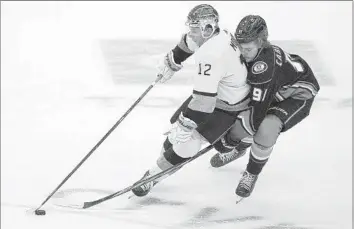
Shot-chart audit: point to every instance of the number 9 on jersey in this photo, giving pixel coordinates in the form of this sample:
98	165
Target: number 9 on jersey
258	94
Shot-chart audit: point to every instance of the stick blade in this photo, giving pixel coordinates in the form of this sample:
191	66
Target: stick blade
67	203
91	203
87	205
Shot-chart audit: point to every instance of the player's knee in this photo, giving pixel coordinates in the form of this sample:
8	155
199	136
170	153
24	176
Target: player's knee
189	148
268	132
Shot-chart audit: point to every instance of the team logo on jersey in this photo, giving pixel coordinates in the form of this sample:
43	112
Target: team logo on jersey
259	67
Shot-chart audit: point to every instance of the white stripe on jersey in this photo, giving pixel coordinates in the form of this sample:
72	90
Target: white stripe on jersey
202	103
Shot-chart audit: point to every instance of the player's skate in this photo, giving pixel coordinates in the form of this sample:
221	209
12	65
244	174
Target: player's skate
144	189
246	185
221	159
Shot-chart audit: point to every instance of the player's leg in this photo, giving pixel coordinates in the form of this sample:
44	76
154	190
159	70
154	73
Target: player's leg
166	152
216	125
263	142
279	118
297	110
174	155
167	144
232	145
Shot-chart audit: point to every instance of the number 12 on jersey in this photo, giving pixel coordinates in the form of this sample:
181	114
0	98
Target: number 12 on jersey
258	94
204	69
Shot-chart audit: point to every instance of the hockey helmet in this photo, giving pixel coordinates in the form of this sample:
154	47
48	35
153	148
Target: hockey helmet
203	16
251	28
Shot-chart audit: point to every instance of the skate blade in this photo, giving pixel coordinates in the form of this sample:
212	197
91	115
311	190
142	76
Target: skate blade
239	199
133	197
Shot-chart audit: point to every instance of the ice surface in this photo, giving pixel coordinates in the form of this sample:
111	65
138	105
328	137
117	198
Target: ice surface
59	97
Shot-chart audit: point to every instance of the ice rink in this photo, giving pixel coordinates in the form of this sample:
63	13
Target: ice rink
62	89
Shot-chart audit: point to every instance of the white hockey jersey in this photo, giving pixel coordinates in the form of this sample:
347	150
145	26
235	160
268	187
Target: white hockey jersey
220	77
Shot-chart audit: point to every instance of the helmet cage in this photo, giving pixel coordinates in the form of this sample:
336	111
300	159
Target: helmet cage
203	16
203	24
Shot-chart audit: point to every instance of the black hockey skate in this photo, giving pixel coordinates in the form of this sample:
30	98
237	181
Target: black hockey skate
246	185
144	189
221	159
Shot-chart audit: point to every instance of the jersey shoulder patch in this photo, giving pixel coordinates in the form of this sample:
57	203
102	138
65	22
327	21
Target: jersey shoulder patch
259	67
262	69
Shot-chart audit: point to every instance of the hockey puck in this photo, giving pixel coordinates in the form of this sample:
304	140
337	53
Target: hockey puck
39	212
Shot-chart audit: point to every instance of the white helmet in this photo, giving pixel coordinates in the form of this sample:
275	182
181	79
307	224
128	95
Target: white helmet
203	16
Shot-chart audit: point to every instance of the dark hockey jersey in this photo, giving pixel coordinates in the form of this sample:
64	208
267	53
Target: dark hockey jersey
275	75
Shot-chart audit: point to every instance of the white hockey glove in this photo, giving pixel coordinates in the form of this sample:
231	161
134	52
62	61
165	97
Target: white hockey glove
167	67
183	131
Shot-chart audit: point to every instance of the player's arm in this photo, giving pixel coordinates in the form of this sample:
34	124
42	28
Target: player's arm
184	49
172	61
306	86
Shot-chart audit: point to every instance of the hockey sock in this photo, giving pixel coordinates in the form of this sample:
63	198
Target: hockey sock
258	158
254	165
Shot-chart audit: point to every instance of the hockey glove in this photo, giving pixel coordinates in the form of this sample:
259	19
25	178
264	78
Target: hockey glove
183	131
167	67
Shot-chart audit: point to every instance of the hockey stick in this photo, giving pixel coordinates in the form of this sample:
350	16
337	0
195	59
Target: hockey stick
141	182
102	139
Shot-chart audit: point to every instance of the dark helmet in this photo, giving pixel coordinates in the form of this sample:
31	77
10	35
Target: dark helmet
250	28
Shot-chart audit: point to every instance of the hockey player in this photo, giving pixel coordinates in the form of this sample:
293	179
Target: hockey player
220	90
283	88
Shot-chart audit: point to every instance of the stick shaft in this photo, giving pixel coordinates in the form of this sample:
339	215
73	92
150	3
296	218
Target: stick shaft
102	139
149	179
